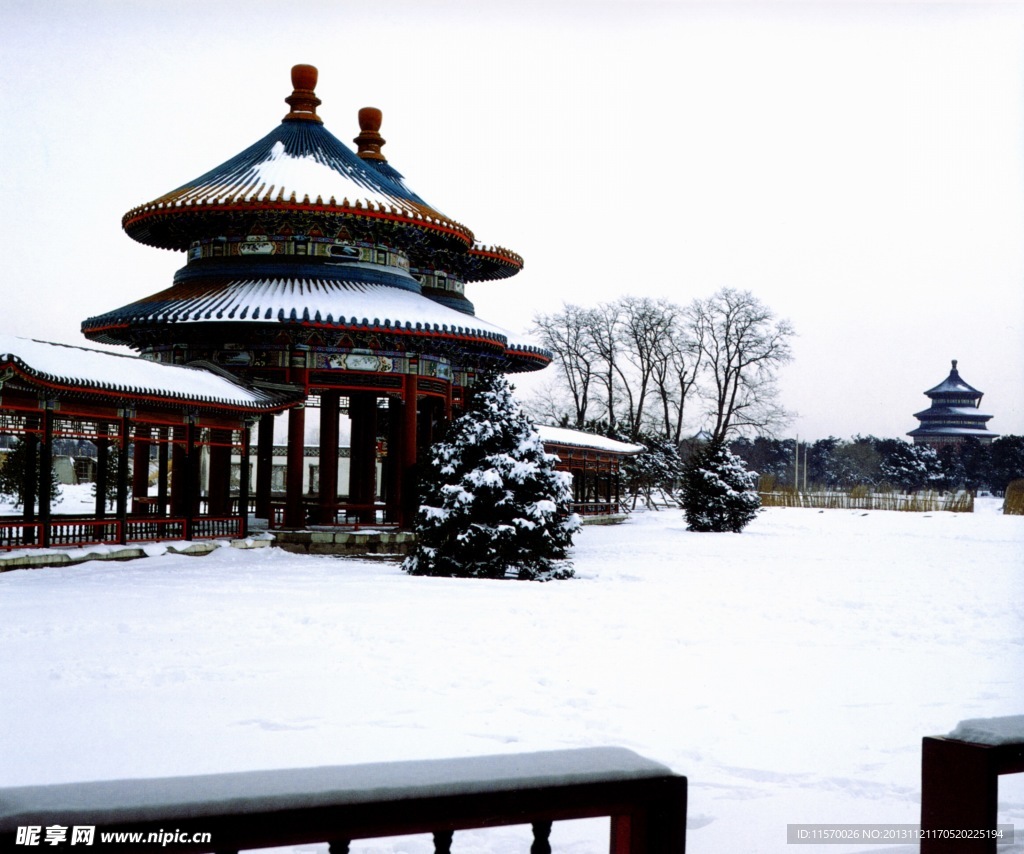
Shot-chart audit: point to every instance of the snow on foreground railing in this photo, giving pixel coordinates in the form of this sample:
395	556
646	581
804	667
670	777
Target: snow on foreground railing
262	809
960	784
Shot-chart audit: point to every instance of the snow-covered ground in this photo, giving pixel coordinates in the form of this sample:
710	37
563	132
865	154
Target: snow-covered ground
789	671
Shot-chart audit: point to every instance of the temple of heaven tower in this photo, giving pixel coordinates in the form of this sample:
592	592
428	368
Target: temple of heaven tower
314	268
953	416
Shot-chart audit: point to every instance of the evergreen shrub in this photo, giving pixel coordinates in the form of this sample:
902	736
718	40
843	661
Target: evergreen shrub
492	504
718	494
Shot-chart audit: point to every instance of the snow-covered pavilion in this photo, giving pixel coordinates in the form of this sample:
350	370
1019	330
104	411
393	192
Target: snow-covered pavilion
595	463
315	280
127	406
316	268
953	416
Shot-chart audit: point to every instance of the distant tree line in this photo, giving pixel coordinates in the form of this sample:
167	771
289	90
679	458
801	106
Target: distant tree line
871	461
642	366
657	473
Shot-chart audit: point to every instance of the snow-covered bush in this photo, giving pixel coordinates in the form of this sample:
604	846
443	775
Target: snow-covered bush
492	504
911	467
656	469
718	494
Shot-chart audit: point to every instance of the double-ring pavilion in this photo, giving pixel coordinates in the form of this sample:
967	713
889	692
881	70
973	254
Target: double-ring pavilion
315	281
954	415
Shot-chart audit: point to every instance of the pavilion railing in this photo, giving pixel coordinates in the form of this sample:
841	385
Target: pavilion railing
230	812
340	515
83	532
67	532
19	535
960	793
148	529
597	508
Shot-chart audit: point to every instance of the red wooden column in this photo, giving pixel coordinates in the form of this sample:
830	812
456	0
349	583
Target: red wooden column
45	471
124	427
362	471
243	481
29	480
409	496
179	471
330	402
190	481
102	443
294	514
163	469
219	493
264	464
393	462
140	470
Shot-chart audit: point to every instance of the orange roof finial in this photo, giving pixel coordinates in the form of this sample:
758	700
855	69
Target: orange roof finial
303	99
369	139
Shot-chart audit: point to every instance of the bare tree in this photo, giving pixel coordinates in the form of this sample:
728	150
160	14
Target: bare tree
645	325
743	345
636	363
567	335
677	369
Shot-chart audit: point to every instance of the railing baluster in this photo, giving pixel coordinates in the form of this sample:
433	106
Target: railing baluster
443	841
541	833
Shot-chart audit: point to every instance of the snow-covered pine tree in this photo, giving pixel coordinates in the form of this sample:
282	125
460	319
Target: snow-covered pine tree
492	504
12	475
657	469
911	467
718	494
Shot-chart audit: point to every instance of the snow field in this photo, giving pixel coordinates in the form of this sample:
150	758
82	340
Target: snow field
789	671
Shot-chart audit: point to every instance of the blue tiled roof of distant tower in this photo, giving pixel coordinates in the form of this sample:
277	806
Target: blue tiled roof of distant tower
953	384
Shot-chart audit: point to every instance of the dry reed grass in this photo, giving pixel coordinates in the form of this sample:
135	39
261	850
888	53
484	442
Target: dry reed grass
866	498
1013	502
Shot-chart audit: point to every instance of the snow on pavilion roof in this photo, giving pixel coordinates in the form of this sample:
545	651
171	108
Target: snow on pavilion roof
343	302
937	410
953	384
300	167
590	441
299	164
80	368
939	430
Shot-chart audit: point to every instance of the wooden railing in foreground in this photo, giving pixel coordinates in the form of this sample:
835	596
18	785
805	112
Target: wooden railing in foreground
261	809
960	793
68	532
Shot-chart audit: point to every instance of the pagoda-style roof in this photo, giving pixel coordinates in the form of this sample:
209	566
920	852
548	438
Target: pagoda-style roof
357	298
300	230
299	166
953	414
42	366
348	302
937	410
954	385
302	168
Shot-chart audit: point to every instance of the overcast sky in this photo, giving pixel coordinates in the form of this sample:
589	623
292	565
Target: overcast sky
859	167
